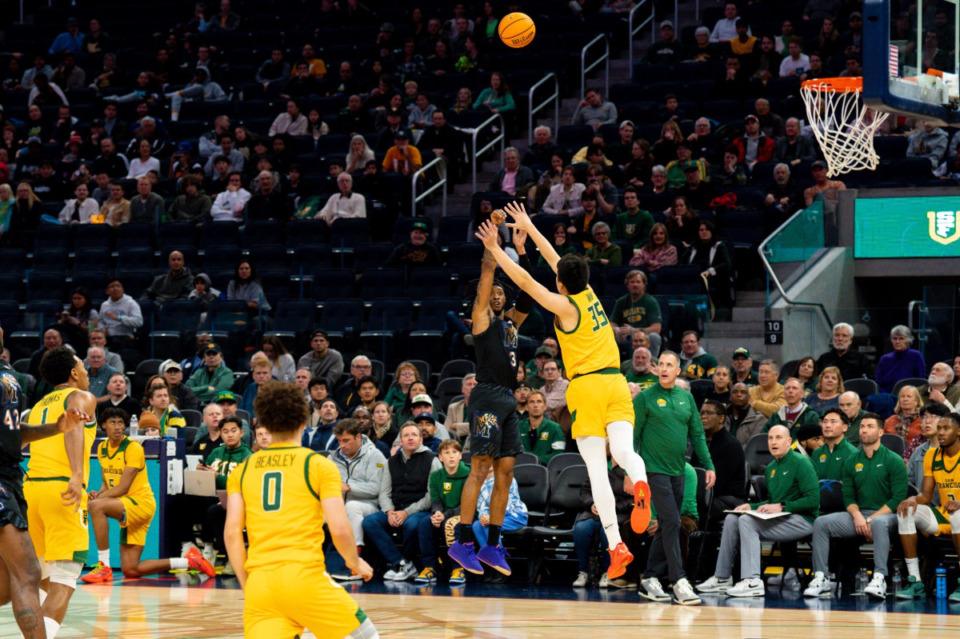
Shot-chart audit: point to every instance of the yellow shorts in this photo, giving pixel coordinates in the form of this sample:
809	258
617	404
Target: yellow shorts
58	533
138	513
943	518
281	602
598	399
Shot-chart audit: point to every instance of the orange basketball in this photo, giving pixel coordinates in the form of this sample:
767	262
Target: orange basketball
516	30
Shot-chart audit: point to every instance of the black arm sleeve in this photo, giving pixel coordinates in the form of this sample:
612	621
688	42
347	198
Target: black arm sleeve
524	303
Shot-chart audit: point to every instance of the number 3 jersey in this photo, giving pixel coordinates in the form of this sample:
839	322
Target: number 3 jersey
496	350
282	489
591	346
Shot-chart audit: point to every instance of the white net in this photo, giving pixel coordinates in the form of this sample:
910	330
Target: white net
842	125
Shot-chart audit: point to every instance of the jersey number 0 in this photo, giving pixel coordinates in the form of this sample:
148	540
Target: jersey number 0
272	491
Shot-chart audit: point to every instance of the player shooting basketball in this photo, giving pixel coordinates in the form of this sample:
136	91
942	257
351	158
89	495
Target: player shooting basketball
598	395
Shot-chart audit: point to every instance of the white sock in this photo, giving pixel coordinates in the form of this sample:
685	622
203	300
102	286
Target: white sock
594	453
43	596
913	567
208	549
51	626
185	547
179	563
104	557
620	435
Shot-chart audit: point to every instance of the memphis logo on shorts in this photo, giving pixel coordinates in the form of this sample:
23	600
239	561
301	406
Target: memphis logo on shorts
484	424
944	226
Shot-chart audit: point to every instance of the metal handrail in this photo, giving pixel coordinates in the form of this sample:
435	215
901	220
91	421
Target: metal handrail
473	143
634	30
414	198
555	98
584	69
762	250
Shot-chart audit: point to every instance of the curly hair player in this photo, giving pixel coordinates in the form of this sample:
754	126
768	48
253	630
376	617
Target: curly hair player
282	495
598	395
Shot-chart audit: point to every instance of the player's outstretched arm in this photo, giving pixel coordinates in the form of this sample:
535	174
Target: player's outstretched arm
556	304
521	220
233	536
341	533
481	303
70	420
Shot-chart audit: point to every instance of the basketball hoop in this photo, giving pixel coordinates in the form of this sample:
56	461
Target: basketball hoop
841	123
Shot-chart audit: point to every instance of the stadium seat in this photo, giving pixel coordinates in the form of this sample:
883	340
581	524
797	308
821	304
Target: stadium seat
428	282
390	320
45	286
342	319
307	232
334	283
377	282
174	329
219	234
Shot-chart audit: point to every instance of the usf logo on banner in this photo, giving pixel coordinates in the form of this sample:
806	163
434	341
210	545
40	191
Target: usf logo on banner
944	226
906	227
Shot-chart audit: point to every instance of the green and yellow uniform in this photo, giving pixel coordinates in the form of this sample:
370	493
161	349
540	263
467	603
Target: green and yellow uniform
288	588
598	394
946	473
139	504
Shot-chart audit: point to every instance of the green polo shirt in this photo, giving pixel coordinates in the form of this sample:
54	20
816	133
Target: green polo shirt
829	463
547	442
791	481
872	482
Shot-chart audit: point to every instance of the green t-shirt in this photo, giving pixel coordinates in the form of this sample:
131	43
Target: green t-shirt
634	228
223	460
547	442
808	416
829	464
872	482
612	254
699	367
645	381
640	314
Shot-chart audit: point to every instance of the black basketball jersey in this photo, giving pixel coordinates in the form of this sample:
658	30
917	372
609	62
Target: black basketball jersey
496	350
10	441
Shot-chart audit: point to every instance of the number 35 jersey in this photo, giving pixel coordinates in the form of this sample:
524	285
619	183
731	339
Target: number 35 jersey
282	489
591	346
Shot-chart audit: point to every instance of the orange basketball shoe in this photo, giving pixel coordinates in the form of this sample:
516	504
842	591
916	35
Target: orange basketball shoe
640	517
620	557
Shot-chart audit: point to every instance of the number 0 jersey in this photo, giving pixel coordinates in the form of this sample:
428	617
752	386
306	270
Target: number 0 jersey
591	346
48	457
282	489
945	471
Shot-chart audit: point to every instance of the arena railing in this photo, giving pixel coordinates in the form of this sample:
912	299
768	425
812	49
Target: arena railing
585	68
441	165
799	240
553	99
634	28
499	136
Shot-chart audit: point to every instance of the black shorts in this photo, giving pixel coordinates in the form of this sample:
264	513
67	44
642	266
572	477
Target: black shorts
494	425
13	507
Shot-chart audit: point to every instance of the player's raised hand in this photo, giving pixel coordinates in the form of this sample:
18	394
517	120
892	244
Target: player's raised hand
519	214
71	418
487	233
519	238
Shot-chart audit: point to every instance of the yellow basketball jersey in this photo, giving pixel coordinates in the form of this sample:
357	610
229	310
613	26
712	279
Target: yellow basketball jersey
48	457
115	460
282	488
591	345
945	471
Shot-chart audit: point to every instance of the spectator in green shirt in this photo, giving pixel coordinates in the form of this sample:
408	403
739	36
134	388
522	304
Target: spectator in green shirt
446	485
634	224
637	310
603	252
639	369
743	367
542	437
696	363
829	459
212	377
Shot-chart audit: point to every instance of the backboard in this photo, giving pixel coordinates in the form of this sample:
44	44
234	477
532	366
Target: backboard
911	58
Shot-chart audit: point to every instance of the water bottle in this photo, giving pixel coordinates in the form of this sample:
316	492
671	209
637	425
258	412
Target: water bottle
134	426
897	579
941	581
861	582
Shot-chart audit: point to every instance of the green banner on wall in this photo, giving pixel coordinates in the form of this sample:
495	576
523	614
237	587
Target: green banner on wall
907	227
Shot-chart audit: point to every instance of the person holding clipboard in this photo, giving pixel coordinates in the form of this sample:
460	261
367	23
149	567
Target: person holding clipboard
787	514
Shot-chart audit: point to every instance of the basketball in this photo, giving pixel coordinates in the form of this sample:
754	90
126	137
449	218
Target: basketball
516	30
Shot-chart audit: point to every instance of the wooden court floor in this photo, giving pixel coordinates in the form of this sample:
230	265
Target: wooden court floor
167	610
